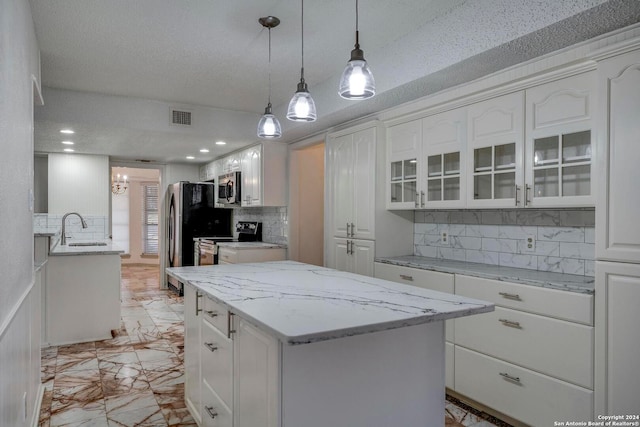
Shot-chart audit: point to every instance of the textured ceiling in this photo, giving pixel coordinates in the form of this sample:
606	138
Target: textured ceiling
112	68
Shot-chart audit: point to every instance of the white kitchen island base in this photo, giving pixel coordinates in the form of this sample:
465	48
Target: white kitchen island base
386	378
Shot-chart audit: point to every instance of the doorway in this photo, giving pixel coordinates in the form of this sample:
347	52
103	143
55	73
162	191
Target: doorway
135	214
306	203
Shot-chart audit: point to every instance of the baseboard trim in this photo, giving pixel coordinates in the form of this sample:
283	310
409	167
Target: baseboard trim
35	417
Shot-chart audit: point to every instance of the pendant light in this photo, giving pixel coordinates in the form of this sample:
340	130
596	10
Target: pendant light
269	126
301	107
357	81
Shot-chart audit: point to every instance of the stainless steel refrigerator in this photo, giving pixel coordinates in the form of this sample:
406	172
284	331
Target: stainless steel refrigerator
192	214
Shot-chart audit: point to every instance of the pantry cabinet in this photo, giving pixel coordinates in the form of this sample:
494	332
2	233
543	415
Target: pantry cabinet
353	160
354	255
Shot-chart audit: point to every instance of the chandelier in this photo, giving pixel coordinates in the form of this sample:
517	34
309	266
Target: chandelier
119	184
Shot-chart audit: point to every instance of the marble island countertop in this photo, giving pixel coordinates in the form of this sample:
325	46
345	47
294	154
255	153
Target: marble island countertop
302	303
251	245
108	249
545	279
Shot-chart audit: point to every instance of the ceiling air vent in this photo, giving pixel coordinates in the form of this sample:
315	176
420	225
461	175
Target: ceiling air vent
180	117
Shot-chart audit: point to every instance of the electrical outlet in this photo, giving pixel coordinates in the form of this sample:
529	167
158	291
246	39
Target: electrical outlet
530	244
444	238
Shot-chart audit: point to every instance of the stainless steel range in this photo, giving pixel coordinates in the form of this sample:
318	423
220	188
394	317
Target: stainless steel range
206	248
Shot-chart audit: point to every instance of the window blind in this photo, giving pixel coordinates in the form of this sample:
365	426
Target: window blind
150	218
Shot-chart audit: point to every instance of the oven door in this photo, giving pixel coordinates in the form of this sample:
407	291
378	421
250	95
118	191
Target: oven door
207	254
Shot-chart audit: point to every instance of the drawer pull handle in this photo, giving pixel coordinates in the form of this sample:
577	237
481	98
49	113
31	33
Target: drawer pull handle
406	277
514	297
210	346
198	296
211	411
211	313
510	378
230	329
510	323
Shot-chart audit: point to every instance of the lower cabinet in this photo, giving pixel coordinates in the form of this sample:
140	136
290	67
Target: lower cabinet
618	345
525	359
353	255
231	367
442	282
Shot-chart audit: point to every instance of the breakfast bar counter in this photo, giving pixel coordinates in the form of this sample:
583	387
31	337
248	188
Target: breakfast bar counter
296	344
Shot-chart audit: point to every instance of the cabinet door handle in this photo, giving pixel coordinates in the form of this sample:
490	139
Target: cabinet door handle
211	313
349	247
230	324
417	200
510	323
211	411
506	295
348	232
198	296
510	378
422	199
406	277
211	346
353	230
527	189
517	191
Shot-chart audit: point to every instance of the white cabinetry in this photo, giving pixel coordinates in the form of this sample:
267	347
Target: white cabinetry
263	168
354	256
442	282
532	358
495	166
618	208
192	392
404	148
618	346
443	155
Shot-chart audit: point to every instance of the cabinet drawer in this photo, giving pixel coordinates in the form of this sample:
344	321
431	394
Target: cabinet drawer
564	305
229	256
216	314
525	395
217	361
214	412
434	280
553	347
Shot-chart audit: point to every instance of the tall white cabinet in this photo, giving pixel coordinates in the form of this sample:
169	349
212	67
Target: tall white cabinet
618	237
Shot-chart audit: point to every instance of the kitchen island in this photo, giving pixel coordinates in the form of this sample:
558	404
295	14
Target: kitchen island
289	344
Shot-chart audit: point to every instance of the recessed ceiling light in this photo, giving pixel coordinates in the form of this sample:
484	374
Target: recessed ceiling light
69	150
69	131
204	150
220	143
190	157
67	142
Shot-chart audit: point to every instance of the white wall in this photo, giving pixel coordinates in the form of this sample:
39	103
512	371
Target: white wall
79	183
19	328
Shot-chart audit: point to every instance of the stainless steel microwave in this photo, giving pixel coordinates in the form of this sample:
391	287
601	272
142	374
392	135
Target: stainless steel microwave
229	189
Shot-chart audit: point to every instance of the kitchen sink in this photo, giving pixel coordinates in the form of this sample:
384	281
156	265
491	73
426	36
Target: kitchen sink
88	244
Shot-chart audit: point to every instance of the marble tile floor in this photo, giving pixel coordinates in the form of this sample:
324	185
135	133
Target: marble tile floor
137	377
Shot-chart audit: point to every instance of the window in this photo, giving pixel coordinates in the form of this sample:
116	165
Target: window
149	218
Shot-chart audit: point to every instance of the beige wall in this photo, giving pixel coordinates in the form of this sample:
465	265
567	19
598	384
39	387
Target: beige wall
307	205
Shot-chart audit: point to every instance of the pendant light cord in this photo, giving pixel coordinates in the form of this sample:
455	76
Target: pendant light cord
302	21
357	32
269	66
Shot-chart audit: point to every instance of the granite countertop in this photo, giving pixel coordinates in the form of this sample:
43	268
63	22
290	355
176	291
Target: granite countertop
40	231
302	303
108	249
545	279
251	245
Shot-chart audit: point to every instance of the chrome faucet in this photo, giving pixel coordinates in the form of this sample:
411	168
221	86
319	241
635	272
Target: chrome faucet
63	240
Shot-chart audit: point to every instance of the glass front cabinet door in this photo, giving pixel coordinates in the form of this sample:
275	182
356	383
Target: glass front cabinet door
404	146
559	147
495	152
443	144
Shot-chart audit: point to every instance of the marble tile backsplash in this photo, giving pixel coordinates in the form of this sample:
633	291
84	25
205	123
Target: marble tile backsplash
564	240
97	226
275	222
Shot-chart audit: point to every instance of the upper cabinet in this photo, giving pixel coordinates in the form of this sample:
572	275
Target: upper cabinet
443	143
559	149
404	148
263	174
494	175
530	148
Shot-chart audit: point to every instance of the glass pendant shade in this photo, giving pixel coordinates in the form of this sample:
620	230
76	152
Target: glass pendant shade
301	107
269	126
357	80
